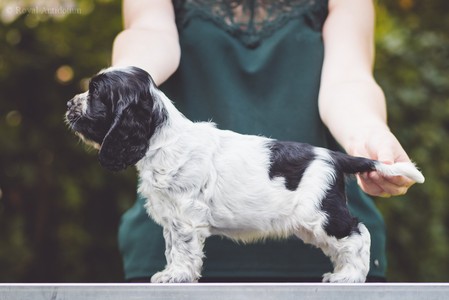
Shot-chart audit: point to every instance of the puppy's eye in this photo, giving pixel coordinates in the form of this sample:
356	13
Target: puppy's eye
95	105
93	89
93	94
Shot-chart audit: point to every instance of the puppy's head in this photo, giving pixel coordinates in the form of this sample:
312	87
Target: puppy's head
117	115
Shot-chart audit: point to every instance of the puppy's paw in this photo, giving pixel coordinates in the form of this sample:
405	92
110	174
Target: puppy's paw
344	277
173	276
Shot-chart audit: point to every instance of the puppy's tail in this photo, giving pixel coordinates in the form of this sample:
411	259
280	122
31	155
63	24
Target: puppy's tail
352	165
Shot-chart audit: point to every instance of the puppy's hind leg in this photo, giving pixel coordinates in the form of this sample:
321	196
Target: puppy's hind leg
184	253
345	240
350	256
340	236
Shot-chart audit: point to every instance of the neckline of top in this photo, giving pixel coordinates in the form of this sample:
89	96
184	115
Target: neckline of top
251	21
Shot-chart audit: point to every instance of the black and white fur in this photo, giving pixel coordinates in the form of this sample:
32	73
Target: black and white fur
201	181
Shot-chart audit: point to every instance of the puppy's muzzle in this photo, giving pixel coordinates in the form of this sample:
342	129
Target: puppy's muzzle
74	109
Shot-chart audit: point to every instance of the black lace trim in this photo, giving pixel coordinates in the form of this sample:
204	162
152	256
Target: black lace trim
250	21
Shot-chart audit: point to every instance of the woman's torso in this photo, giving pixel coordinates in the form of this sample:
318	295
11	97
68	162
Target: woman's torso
254	75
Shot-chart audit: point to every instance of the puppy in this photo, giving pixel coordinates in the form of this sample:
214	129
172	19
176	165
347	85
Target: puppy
201	181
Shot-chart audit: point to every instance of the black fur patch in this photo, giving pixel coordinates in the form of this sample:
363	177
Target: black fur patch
351	164
120	116
289	160
95	123
135	119
340	223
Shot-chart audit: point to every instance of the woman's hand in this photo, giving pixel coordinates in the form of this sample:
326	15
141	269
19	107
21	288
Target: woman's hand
380	145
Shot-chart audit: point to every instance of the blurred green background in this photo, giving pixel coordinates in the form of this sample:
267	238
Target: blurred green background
59	210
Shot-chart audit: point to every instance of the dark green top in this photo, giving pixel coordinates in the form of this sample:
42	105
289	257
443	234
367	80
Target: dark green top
255	76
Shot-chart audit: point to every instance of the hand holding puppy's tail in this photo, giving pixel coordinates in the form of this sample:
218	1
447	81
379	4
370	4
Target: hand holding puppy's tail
352	165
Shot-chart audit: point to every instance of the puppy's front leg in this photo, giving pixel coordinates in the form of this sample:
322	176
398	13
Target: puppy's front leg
168	245
184	253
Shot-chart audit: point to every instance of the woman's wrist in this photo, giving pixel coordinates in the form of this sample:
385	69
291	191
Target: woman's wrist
353	136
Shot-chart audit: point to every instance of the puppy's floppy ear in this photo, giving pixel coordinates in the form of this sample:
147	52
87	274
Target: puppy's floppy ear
128	138
136	111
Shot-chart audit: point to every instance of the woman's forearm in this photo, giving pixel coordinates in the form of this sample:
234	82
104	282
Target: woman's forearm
351	103
353	109
149	39
150	50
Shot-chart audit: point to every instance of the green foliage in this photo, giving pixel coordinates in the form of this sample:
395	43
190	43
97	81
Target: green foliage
413	69
59	211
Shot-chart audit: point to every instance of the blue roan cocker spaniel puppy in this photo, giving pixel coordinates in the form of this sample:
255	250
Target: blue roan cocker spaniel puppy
201	181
